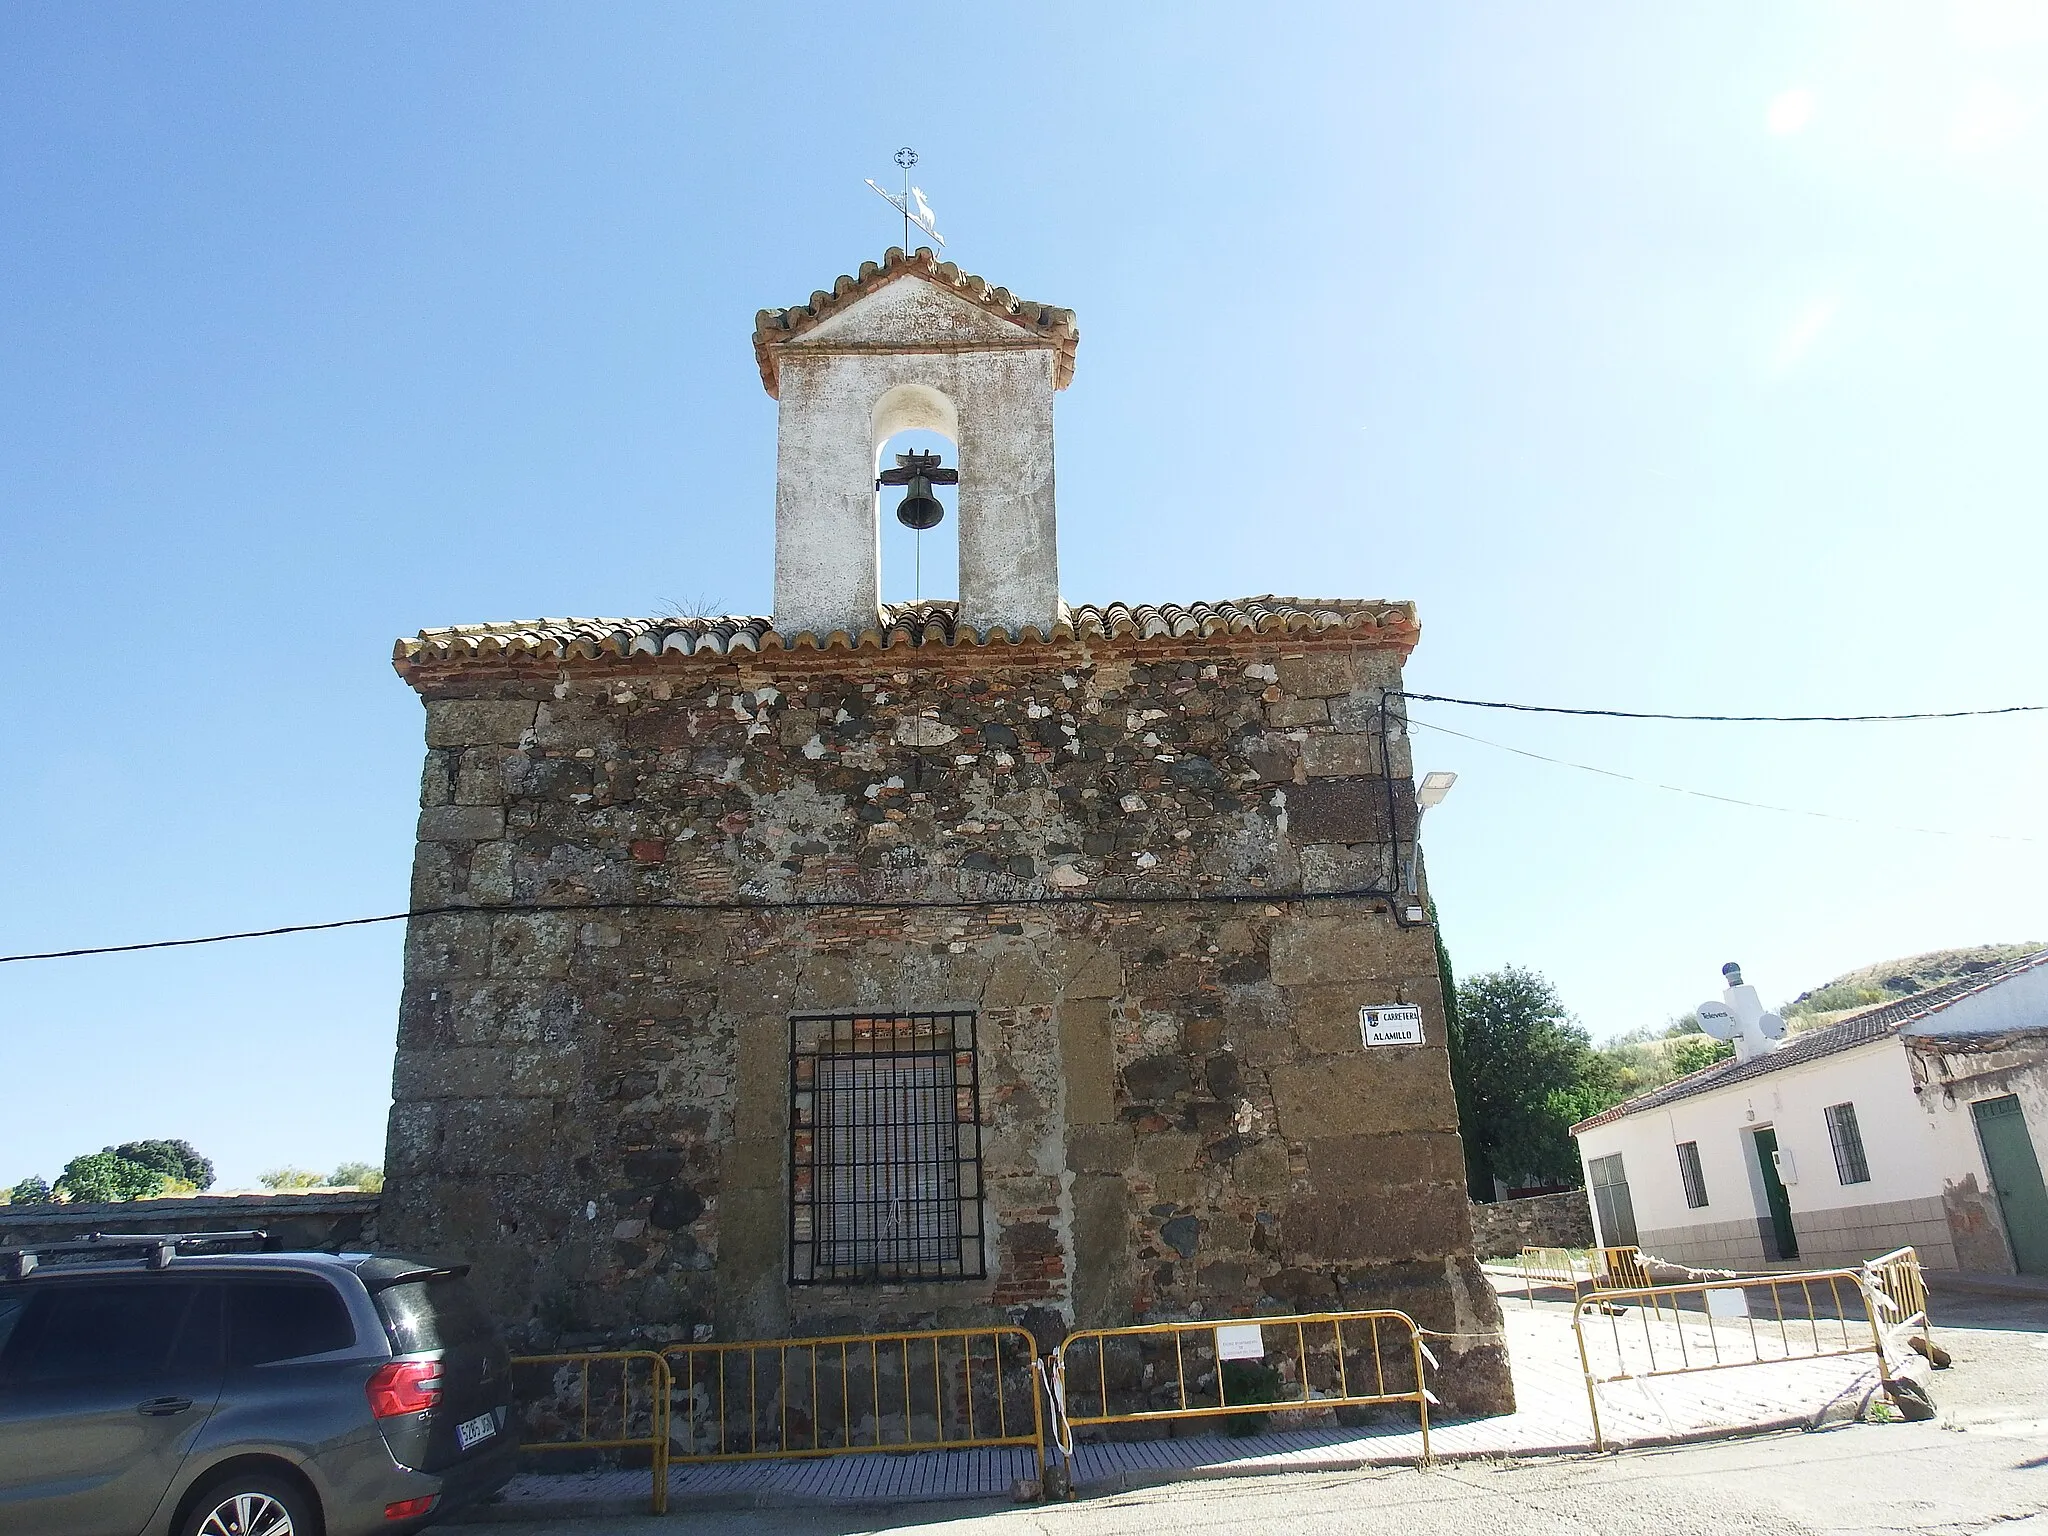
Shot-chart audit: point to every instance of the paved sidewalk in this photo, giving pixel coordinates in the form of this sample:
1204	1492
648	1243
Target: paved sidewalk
1552	1417
1901	1478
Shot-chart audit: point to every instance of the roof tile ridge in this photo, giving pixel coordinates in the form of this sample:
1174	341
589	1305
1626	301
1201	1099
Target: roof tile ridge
1048	321
1795	1051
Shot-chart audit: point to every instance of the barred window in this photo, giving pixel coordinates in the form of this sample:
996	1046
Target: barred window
1850	1163
1690	1176
885	1148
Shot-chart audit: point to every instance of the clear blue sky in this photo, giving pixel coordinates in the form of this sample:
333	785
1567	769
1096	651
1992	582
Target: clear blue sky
1682	361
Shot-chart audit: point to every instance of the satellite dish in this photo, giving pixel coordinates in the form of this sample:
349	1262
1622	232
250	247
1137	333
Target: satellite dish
1773	1026
1718	1020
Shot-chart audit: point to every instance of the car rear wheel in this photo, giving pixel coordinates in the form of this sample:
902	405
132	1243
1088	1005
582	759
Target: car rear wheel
251	1506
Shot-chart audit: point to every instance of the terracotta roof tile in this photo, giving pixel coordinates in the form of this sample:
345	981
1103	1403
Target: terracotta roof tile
1057	326
903	625
1879	1023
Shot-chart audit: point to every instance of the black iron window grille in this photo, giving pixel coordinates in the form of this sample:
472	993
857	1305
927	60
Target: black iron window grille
884	1148
1690	1176
1851	1167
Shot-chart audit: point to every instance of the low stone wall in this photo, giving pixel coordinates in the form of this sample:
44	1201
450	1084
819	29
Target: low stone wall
331	1221
1505	1227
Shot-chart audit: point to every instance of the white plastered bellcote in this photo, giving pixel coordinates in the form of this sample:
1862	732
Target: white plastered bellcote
912	352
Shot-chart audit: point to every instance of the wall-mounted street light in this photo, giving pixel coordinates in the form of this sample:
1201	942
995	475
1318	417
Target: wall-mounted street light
1429	792
1433	788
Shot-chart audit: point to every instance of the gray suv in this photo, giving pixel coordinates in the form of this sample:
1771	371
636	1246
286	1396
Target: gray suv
171	1386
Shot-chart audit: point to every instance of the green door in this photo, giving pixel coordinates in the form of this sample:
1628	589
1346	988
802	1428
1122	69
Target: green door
2016	1175
1775	1196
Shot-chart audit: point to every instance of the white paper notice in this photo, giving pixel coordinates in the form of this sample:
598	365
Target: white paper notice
1240	1341
1727	1304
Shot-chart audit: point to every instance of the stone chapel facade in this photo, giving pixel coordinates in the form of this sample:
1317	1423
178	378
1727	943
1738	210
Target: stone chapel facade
926	965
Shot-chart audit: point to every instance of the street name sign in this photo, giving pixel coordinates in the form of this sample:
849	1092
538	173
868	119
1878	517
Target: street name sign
1390	1026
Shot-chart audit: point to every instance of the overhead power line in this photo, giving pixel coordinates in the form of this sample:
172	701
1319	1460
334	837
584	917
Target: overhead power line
1635	714
1182	898
1702	794
801	904
218	938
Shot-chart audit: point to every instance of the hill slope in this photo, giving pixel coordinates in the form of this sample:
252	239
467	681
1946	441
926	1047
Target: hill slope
1891	979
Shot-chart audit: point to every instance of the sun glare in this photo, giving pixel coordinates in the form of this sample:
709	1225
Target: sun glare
1789	112
1806	329
1989	116
1999	23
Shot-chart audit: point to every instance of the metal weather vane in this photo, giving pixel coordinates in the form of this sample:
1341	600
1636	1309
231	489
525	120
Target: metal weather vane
917	472
910	202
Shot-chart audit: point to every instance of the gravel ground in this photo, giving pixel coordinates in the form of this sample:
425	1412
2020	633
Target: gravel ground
2000	1345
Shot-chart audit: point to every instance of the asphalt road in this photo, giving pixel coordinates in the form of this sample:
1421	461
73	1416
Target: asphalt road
1983	1463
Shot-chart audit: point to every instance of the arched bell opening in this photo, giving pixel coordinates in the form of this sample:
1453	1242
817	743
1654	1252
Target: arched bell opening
917	563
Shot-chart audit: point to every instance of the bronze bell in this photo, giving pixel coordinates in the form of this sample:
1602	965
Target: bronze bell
920	508
918	473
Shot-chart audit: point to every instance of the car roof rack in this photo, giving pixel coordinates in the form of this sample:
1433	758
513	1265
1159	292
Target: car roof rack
157	1250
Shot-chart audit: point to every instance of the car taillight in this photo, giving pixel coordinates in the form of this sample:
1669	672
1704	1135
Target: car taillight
405	1509
404	1386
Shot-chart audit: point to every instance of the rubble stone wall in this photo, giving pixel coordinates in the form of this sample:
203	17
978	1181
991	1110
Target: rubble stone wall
1503	1228
1179	1117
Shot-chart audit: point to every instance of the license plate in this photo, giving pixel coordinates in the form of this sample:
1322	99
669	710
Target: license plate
475	1431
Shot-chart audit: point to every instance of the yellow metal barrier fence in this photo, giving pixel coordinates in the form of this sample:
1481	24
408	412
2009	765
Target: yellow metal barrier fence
938	1390
1318	1361
1898	1279
1551	1266
1714	1325
610	1400
1619	1268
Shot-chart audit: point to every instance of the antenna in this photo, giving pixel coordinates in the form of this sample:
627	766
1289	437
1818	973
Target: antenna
1741	1017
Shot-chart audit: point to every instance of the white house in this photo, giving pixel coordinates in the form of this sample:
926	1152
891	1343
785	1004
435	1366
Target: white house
1923	1121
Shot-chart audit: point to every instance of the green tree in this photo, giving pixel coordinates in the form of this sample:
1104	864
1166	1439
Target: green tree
367	1176
173	1159
1697	1051
1651	1055
1835	997
1532	1072
1478	1177
289	1177
30	1191
98	1177
1600	1085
